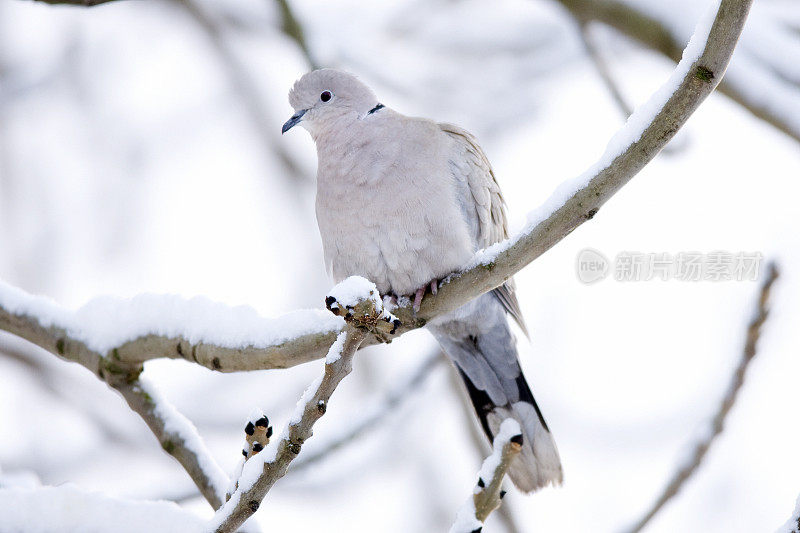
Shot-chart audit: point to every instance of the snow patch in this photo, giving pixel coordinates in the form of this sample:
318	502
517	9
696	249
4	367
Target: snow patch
354	290
70	508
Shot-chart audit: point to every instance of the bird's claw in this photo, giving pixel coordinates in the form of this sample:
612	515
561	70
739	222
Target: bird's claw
434	288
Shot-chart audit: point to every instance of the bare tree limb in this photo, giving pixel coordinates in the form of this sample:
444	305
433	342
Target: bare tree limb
248	496
487	495
488	270
718	422
653	34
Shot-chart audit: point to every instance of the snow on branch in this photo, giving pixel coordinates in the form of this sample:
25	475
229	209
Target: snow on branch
488	493
717	423
114	335
178	437
69	508
360	301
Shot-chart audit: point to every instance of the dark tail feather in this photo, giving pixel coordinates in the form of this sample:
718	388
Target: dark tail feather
538	465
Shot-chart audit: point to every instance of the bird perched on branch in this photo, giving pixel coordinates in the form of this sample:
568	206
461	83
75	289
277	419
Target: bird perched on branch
404	202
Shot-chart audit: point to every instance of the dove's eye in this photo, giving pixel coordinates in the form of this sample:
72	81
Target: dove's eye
325	96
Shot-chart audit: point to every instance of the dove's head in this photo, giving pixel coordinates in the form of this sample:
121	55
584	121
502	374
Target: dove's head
325	97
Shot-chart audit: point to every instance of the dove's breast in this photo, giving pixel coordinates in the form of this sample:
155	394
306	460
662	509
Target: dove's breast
388	205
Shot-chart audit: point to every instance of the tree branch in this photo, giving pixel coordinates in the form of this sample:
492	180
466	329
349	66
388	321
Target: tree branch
178	437
262	471
487	494
653	34
718	422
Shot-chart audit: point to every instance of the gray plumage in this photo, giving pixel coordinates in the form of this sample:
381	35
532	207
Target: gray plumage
403	201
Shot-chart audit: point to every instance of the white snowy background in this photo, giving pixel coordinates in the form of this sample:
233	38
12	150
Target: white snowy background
130	163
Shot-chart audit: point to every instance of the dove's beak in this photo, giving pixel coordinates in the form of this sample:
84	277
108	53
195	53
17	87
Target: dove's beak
292	122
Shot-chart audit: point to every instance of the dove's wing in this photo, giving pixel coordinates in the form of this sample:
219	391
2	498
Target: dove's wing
485	207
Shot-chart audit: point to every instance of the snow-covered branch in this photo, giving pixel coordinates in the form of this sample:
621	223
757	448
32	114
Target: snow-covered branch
759	81
360	300
488	492
717	423
178	437
114	337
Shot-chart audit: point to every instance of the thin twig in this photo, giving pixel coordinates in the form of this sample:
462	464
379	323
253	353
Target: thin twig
268	468
718	422
488	490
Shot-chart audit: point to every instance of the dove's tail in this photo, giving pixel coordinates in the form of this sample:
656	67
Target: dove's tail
479	342
538	465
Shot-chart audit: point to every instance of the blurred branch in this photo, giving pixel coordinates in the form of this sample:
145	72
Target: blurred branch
377	414
247	89
294	30
487	494
490	268
602	69
655	35
250	492
718	422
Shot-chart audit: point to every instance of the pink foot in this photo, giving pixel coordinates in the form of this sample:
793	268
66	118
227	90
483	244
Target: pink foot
418	298
434	287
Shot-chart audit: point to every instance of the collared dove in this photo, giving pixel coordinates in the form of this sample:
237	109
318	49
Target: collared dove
404	202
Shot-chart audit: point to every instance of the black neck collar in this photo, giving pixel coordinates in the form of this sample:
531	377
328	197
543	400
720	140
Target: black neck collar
376	108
